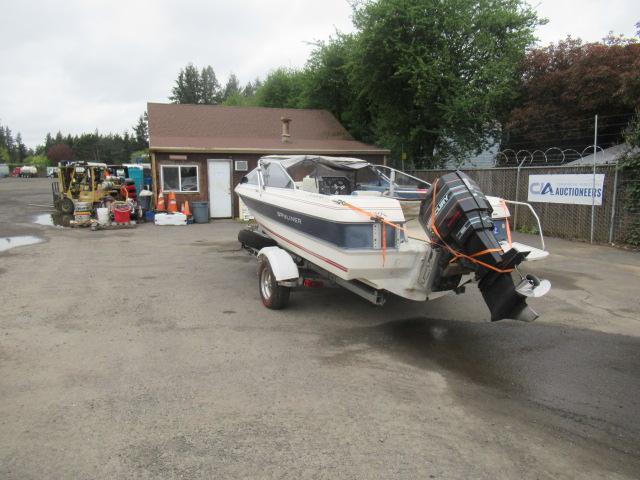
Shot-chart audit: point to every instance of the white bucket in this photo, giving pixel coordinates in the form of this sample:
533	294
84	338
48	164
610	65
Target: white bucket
103	215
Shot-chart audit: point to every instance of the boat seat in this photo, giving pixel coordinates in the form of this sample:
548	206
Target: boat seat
309	184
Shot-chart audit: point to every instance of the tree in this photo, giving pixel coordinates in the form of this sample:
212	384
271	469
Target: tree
282	88
193	86
188	86
565	85
141	132
630	165
21	148
232	88
209	87
3	141
8	141
249	90
4	154
59	152
37	160
435	75
329	87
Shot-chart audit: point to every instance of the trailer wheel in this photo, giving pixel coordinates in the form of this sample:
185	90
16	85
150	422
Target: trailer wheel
66	205
273	296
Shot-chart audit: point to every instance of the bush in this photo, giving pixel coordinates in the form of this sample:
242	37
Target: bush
39	161
630	165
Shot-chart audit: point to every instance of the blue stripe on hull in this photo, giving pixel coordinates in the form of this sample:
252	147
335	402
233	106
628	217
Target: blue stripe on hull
342	235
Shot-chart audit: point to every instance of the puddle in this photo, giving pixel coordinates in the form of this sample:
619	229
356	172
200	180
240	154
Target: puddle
53	219
12	242
44	219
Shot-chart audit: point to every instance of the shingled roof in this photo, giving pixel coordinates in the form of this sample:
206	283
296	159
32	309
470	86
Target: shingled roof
220	128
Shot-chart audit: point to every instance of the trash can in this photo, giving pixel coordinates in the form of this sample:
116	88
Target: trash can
145	202
201	212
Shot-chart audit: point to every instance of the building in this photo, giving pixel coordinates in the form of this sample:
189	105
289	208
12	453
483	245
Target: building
603	156
202	151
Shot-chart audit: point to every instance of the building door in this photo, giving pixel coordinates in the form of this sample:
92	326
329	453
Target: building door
220	198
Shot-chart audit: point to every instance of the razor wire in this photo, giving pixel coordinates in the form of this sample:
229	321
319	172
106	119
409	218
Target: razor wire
548	157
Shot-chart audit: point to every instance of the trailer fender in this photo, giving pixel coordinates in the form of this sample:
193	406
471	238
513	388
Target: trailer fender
282	265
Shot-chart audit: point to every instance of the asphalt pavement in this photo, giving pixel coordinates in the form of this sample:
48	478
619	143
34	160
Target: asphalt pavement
146	353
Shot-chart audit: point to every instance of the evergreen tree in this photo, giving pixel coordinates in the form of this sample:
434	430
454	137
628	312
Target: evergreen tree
21	148
248	90
209	87
188	86
8	139
3	142
48	141
141	132
232	88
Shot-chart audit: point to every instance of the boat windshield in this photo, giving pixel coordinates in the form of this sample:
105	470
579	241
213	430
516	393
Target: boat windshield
336	176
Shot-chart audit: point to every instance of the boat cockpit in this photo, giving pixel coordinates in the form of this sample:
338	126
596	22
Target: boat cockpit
336	176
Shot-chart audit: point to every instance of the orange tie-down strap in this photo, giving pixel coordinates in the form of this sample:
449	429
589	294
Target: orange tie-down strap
455	253
375	218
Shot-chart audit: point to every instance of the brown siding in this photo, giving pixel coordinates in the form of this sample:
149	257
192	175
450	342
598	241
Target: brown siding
200	159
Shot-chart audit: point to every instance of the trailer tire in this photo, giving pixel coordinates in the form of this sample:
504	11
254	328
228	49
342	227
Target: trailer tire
66	205
273	296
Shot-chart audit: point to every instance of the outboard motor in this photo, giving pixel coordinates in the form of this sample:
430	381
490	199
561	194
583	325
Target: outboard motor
457	216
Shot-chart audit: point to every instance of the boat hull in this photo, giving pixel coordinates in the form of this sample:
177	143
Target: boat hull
343	248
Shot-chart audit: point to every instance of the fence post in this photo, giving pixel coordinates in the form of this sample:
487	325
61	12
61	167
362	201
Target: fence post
593	189
613	203
515	210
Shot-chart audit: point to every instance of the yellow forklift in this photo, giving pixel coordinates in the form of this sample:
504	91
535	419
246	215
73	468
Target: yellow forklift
83	182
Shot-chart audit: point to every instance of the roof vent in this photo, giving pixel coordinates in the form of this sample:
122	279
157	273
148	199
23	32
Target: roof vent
286	129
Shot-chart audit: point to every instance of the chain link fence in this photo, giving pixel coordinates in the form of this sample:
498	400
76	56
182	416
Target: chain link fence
614	221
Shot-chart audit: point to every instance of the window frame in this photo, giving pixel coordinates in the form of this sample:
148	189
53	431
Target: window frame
179	166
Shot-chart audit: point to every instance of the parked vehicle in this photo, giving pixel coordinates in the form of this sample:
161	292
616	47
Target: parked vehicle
375	231
28	171
52	172
83	182
4	170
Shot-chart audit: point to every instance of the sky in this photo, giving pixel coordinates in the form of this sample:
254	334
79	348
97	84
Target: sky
81	65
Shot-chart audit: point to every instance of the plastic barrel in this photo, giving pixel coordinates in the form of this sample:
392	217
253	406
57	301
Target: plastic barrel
200	212
103	216
145	202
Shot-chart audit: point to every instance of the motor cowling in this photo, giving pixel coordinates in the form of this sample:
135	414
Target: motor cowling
457	217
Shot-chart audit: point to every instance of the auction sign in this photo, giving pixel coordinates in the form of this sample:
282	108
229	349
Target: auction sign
577	189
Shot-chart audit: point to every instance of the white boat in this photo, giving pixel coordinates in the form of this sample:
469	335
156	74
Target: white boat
376	230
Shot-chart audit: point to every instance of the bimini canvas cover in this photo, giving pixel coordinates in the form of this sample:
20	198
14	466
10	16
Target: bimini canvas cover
336	163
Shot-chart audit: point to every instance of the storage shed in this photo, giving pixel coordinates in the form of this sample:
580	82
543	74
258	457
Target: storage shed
201	152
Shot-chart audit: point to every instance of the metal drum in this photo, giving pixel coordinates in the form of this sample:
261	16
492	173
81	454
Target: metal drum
83	211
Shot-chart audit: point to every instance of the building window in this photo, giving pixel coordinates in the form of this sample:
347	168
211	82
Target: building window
180	178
